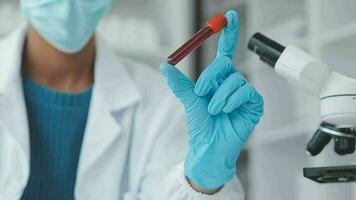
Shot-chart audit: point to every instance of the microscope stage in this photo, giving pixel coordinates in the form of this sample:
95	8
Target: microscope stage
335	174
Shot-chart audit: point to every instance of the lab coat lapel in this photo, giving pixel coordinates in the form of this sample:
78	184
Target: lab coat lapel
13	115
113	92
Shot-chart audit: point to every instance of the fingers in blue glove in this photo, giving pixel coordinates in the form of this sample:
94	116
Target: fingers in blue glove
222	66
180	84
226	89
217	71
229	38
246	93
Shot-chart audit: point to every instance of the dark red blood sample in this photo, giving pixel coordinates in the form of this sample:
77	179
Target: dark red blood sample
214	25
190	45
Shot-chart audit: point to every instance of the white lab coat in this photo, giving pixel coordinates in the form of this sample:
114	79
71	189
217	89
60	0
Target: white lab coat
134	143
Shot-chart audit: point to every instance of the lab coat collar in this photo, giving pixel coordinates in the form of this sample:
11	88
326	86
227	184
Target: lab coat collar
10	56
114	92
113	81
12	107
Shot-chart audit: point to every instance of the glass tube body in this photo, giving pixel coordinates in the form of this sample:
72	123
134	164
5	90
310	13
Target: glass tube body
190	45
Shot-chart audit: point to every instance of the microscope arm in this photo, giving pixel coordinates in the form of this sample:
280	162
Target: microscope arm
337	92
311	75
303	70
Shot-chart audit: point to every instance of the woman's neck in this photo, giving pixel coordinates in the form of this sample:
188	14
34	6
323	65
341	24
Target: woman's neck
51	68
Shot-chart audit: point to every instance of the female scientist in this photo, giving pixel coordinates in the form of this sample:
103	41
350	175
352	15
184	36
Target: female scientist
77	122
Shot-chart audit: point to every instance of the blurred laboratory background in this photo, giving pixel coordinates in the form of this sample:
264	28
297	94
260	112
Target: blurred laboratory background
271	165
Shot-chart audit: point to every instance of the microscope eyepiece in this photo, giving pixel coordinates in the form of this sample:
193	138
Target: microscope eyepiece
268	50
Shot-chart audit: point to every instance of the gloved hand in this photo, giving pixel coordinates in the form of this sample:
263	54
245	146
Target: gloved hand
222	109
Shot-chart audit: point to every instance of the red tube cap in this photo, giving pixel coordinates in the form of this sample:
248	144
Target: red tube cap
217	22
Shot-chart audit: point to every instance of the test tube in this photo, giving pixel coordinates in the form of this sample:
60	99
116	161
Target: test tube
214	25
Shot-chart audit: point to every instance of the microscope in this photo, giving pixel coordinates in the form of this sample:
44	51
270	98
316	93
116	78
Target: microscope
337	95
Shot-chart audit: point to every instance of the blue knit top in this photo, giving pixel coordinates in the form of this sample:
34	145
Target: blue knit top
56	124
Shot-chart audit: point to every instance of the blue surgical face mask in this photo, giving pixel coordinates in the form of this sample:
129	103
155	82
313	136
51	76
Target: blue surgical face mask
67	25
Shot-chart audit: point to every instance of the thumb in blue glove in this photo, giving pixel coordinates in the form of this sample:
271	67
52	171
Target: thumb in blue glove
222	109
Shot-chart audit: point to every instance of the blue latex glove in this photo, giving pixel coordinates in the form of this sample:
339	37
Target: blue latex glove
222	109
